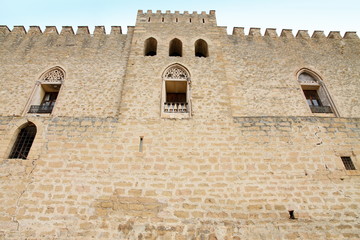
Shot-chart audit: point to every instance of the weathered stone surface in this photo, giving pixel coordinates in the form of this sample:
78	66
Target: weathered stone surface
250	151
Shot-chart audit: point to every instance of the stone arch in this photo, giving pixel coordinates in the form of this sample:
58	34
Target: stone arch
175	48
24	140
315	92
150	47
13	130
201	48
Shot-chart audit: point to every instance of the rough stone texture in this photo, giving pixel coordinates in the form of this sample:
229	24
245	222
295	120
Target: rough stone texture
250	152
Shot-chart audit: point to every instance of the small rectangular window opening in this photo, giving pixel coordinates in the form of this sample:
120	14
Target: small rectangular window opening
162	19
203	20
177	19
141	144
148	19
190	19
348	163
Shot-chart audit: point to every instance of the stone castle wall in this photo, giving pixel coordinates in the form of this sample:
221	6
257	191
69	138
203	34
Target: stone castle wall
250	151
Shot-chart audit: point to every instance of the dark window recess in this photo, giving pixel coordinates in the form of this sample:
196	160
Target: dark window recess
46	105
49	99
48	102
175	49
176	97
291	214
312	98
349	165
150	47
141	144
315	103
201	48
23	142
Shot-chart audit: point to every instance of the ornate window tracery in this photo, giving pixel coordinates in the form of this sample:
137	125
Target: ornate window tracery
176	72
176	92
55	75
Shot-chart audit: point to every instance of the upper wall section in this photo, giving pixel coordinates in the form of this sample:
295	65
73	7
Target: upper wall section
243	74
94	67
263	71
151	17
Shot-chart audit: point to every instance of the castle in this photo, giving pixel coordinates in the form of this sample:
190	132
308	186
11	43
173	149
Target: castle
177	130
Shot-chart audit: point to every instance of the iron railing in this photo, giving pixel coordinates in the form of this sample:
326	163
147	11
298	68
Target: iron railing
321	109
175	107
41	108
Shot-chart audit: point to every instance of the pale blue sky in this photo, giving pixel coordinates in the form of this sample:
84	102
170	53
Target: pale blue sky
327	15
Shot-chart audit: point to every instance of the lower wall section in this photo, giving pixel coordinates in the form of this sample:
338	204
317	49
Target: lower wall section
89	178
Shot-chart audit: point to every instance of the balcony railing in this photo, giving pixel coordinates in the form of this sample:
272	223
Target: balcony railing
175	107
321	109
41	108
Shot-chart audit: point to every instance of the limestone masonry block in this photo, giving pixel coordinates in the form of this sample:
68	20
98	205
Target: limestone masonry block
51	30
271	32
318	34
82	30
67	30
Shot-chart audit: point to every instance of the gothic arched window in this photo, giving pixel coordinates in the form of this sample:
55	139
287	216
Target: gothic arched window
46	91
150	47
315	92
176	91
175	48
24	141
201	48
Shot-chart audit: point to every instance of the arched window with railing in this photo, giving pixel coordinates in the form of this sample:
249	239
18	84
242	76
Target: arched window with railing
46	91
315	92
176	91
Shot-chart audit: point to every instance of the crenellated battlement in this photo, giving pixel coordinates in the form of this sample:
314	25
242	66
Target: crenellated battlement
65	30
176	17
288	33
170	18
